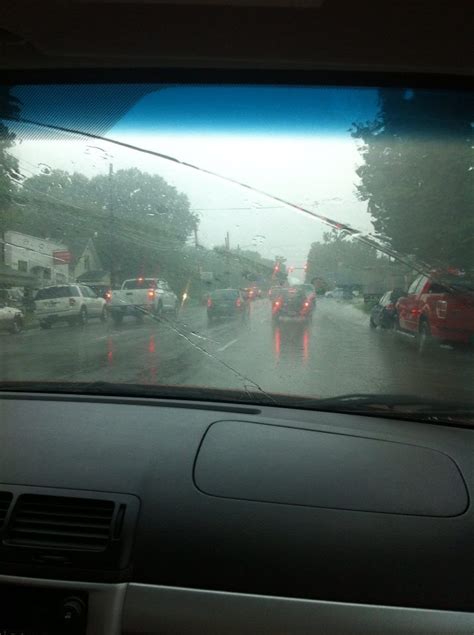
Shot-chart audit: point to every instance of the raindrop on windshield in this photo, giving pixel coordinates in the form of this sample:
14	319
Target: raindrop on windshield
44	168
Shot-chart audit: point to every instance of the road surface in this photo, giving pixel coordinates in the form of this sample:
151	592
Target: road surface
337	354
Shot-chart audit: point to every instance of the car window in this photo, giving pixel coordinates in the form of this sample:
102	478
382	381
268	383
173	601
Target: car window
216	192
413	288
225	294
88	292
53	292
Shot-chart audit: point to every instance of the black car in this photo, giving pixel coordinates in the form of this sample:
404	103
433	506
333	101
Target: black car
383	313
226	303
293	303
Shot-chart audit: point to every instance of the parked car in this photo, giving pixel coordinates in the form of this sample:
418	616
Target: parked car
383	312
138	296
292	304
340	294
227	303
72	303
438	309
11	318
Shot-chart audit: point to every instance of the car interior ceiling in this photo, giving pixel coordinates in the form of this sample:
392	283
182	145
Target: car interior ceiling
208	530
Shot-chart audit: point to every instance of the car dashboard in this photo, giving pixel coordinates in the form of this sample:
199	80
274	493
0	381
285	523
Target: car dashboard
145	515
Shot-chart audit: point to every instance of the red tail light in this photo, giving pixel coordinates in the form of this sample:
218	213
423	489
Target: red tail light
306	304
209	302
72	302
151	294
238	302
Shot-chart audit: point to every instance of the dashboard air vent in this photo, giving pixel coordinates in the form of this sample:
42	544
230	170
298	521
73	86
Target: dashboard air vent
5	500
61	522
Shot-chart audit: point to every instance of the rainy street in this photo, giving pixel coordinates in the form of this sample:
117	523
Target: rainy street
335	354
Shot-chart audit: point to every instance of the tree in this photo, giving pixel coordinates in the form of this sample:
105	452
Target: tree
139	222
417	174
9	107
340	261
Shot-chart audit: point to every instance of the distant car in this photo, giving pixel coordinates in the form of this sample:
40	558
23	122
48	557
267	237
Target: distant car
336	293
11	318
140	296
250	293
274	291
292	304
72	303
383	312
227	303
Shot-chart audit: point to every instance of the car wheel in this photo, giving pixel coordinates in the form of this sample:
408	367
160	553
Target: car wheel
424	338
82	319
372	323
44	324
17	326
103	315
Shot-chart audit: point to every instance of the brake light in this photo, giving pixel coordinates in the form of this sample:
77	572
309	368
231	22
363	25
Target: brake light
209	302
238	302
306	304
151	293
277	303
442	309
72	302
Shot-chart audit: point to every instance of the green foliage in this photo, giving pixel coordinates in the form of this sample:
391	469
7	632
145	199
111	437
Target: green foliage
9	107
417	175
338	260
139	222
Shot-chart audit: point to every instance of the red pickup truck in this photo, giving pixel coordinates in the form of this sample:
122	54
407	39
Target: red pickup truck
438	309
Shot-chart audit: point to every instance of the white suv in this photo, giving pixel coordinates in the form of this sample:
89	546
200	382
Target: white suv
72	303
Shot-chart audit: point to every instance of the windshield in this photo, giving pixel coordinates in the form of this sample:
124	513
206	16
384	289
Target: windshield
196	193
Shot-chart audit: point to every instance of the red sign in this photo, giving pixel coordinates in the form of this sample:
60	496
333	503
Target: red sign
62	257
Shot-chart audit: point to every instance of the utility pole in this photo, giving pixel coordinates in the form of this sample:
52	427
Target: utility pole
111	228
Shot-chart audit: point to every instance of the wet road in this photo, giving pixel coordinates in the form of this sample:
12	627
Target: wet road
336	354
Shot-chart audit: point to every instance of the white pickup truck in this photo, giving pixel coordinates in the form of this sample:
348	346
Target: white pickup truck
139	296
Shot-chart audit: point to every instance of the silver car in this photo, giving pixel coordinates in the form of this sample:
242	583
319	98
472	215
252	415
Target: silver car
72	303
